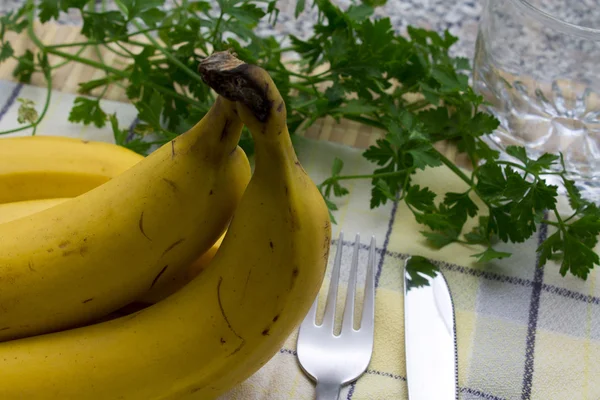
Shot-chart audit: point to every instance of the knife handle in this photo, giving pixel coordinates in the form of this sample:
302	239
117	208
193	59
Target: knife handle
328	390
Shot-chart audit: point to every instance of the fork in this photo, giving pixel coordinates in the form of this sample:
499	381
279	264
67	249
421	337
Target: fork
336	360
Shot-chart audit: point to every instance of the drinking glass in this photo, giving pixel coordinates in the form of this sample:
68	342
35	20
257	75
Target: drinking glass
537	64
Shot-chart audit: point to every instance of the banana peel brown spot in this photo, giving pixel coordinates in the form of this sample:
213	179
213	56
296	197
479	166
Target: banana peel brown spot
223	341
237	349
275	318
210	193
171	247
5	328
172	149
223	312
295	273
271	244
63	244
172	184
266	331
224	132
141	226
162	271
50	250
301	167
82	251
30	264
246	285
293	220
280	109
87	300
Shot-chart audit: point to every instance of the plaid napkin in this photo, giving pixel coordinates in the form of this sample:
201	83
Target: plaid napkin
523	332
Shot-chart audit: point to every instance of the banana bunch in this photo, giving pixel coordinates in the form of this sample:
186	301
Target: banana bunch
259	244
85	257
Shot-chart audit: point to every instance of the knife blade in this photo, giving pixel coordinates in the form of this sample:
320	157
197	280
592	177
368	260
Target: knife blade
429	332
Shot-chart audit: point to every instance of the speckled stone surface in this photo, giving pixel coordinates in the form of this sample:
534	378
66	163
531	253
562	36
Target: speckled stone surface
459	17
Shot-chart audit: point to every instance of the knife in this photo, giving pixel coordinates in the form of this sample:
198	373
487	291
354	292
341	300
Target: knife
429	332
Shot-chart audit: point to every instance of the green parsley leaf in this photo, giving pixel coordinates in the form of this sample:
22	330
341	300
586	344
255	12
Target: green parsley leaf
338	164
420	198
99	26
355	107
518	152
87	111
27	111
136	144
439	240
490	254
135	7
50	9
6	51
25	67
416	267
150	110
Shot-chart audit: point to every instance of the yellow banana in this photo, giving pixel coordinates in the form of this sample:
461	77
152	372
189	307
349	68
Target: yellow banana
231	319
90	255
20	209
43	167
162	288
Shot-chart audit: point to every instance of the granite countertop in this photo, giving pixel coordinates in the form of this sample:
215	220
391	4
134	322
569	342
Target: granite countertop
459	17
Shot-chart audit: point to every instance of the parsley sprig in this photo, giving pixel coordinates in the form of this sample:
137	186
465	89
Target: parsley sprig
352	66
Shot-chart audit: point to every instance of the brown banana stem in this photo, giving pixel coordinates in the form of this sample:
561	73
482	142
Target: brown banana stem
236	81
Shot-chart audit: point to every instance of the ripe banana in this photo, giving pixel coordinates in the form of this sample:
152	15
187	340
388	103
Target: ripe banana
162	288
231	319
20	209
43	167
90	255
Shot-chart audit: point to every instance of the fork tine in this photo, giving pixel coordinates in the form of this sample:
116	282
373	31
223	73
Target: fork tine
329	317
310	318
368	313
348	323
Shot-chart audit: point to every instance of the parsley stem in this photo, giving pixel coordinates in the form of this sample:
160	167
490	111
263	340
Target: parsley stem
371	176
111	40
60	64
127	52
215	32
312	78
454	168
115	51
301	88
548	222
406	181
366	121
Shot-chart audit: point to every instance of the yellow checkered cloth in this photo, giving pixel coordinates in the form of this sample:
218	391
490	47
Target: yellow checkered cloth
522	332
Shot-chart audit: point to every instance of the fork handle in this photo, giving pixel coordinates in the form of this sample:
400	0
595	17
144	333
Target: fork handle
328	391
